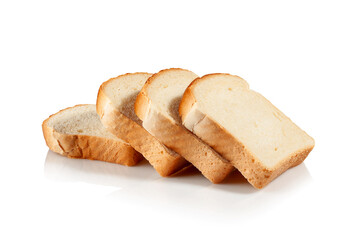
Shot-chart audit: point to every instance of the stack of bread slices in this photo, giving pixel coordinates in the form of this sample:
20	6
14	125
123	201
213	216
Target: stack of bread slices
175	119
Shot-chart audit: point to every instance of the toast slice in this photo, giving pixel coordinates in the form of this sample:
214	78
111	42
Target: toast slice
115	106
77	132
244	127
157	106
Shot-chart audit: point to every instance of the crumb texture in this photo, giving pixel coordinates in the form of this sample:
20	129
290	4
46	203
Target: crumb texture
81	120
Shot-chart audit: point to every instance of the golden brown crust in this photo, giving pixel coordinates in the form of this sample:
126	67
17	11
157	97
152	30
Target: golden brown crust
187	101
141	105
233	150
182	141
89	147
165	162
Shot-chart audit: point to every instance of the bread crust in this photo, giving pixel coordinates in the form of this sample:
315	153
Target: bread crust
179	139
164	161
141	105
89	147
230	148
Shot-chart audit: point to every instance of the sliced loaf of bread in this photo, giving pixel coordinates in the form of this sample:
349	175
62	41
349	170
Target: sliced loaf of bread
77	132
115	106
157	106
244	127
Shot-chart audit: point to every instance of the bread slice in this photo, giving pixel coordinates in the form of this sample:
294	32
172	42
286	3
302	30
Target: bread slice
244	127
115	106
157	106
77	132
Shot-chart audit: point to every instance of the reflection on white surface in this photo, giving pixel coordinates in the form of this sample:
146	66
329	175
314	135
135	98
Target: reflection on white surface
61	168
188	191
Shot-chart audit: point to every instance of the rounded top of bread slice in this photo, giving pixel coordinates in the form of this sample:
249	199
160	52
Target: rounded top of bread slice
122	92
245	114
78	120
160	92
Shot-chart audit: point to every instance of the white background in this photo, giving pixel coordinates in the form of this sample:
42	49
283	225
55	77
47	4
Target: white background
304	56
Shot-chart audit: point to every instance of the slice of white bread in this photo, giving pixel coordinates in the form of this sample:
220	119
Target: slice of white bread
115	106
244	127
77	132
157	106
